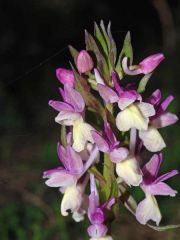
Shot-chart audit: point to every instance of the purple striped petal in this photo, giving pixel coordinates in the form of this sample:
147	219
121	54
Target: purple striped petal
100	142
74	98
155	97
151	169
119	154
60	106
107	94
59	178
161	189
164	120
166	176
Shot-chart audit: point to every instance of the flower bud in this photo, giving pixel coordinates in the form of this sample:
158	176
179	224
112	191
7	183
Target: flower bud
149	64
84	62
65	76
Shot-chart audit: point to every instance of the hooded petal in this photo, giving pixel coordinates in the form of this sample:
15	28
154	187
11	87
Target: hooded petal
131	117
67	118
72	200
127	98
129	171
152	139
164	120
107	94
148	210
59	178
151	169
75	163
119	154
65	76
160	188
81	134
74	98
100	142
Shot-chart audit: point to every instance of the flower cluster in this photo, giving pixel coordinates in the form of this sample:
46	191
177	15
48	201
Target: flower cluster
107	128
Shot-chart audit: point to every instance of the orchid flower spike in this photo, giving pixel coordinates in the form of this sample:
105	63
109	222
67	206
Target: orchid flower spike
70	114
84	62
146	66
153	185
65	76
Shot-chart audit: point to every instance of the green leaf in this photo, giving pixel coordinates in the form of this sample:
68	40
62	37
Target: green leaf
98	175
113	49
163	228
101	39
105	34
127	51
143	82
63	135
107	174
74	52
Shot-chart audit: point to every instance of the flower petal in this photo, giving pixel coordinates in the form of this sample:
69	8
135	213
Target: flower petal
155	97
146	109
166	176
161	188
74	98
59	178
100	142
164	120
98	77
67	118
151	169
131	117
72	200
81	134
127	98
129	171
60	106
107	94
148	210
97	231
152	139
119	154
75	163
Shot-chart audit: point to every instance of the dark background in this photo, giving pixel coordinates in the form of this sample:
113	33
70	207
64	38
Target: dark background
34	35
